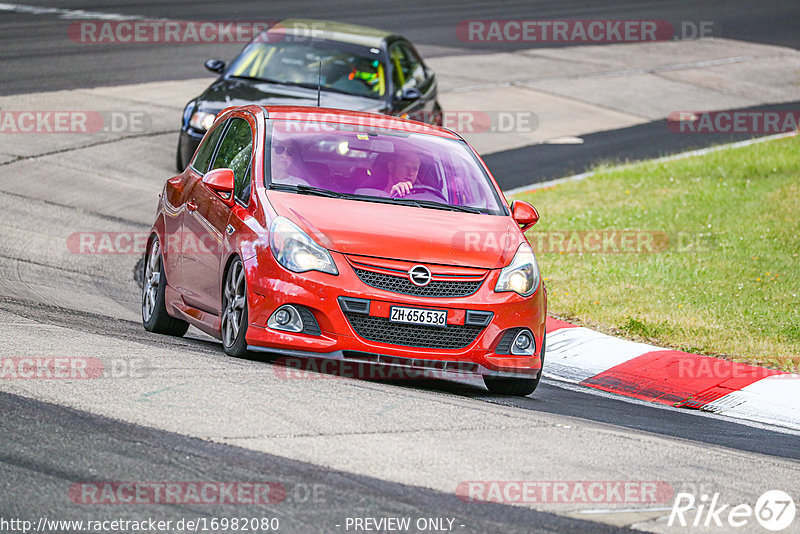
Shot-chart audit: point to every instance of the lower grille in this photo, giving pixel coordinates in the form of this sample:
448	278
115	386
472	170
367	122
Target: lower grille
410	335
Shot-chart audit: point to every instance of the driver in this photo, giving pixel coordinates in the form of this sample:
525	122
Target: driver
403	170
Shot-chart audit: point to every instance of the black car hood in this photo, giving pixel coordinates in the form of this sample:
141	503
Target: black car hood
226	92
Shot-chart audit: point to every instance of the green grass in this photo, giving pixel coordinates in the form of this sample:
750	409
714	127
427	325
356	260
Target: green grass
728	281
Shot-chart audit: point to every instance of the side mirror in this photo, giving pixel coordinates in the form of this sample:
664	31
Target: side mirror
525	214
221	182
215	65
409	93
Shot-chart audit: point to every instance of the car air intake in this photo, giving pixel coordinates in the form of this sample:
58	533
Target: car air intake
380	329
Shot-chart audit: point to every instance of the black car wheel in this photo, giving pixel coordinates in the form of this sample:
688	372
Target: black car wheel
518	387
438	119
179	163
154	283
234	310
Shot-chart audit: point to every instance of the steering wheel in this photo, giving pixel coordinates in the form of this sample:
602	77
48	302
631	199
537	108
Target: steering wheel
423	188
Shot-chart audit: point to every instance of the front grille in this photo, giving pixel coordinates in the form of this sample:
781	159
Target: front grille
401	284
410	335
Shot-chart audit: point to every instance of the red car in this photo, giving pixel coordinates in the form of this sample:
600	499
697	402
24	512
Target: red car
352	236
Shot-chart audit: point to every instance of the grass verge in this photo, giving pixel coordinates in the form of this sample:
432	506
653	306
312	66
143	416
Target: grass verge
699	254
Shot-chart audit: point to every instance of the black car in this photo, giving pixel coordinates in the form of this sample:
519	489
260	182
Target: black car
354	67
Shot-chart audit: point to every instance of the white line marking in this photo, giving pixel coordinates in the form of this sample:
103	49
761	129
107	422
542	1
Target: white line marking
555	381
624	510
681	155
564	141
70	14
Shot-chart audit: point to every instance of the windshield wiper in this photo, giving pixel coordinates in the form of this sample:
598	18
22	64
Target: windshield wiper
307	190
436	205
311	190
257	79
326	88
304	85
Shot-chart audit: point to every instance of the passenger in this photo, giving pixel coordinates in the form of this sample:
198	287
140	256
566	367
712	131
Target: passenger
285	160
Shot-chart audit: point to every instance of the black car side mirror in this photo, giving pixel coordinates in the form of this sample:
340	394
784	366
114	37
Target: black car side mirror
409	93
215	65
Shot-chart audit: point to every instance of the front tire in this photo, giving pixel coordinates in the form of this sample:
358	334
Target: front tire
154	284
438	117
234	310
179	163
518	387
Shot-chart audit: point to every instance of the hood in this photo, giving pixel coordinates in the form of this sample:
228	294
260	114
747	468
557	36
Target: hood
224	93
408	233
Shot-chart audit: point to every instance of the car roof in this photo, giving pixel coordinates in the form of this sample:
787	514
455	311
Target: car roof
333	31
360	118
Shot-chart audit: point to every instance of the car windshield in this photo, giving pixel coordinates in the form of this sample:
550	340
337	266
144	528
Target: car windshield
340	67
380	165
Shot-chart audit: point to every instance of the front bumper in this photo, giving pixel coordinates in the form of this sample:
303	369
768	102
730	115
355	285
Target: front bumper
187	144
342	335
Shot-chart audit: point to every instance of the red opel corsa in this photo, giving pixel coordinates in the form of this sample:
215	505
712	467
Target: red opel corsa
324	233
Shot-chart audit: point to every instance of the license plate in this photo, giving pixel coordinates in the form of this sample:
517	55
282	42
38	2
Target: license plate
417	316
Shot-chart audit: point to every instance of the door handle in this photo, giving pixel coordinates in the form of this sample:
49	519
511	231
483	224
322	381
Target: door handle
191	206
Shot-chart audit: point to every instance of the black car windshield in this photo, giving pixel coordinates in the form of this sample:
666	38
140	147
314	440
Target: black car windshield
365	163
340	67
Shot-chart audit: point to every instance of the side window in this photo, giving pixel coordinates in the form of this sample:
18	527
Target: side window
203	158
234	153
408	69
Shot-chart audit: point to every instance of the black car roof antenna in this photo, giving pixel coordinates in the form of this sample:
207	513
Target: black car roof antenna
319	80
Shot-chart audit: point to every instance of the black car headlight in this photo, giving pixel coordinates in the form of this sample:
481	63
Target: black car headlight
202	120
521	275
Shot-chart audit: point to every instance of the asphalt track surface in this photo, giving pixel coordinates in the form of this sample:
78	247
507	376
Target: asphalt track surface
513	168
37	56
142	454
46	447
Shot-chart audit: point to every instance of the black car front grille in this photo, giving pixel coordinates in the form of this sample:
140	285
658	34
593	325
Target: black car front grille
380	329
401	284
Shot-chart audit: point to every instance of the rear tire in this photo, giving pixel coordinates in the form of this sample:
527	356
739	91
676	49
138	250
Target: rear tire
518	387
234	310
154	284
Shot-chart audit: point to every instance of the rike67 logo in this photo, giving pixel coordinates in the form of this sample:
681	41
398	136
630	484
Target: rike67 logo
774	510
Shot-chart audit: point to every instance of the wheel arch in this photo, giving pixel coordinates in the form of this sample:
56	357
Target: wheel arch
158	230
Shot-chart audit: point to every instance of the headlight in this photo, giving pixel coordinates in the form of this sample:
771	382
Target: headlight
202	121
521	275
296	251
